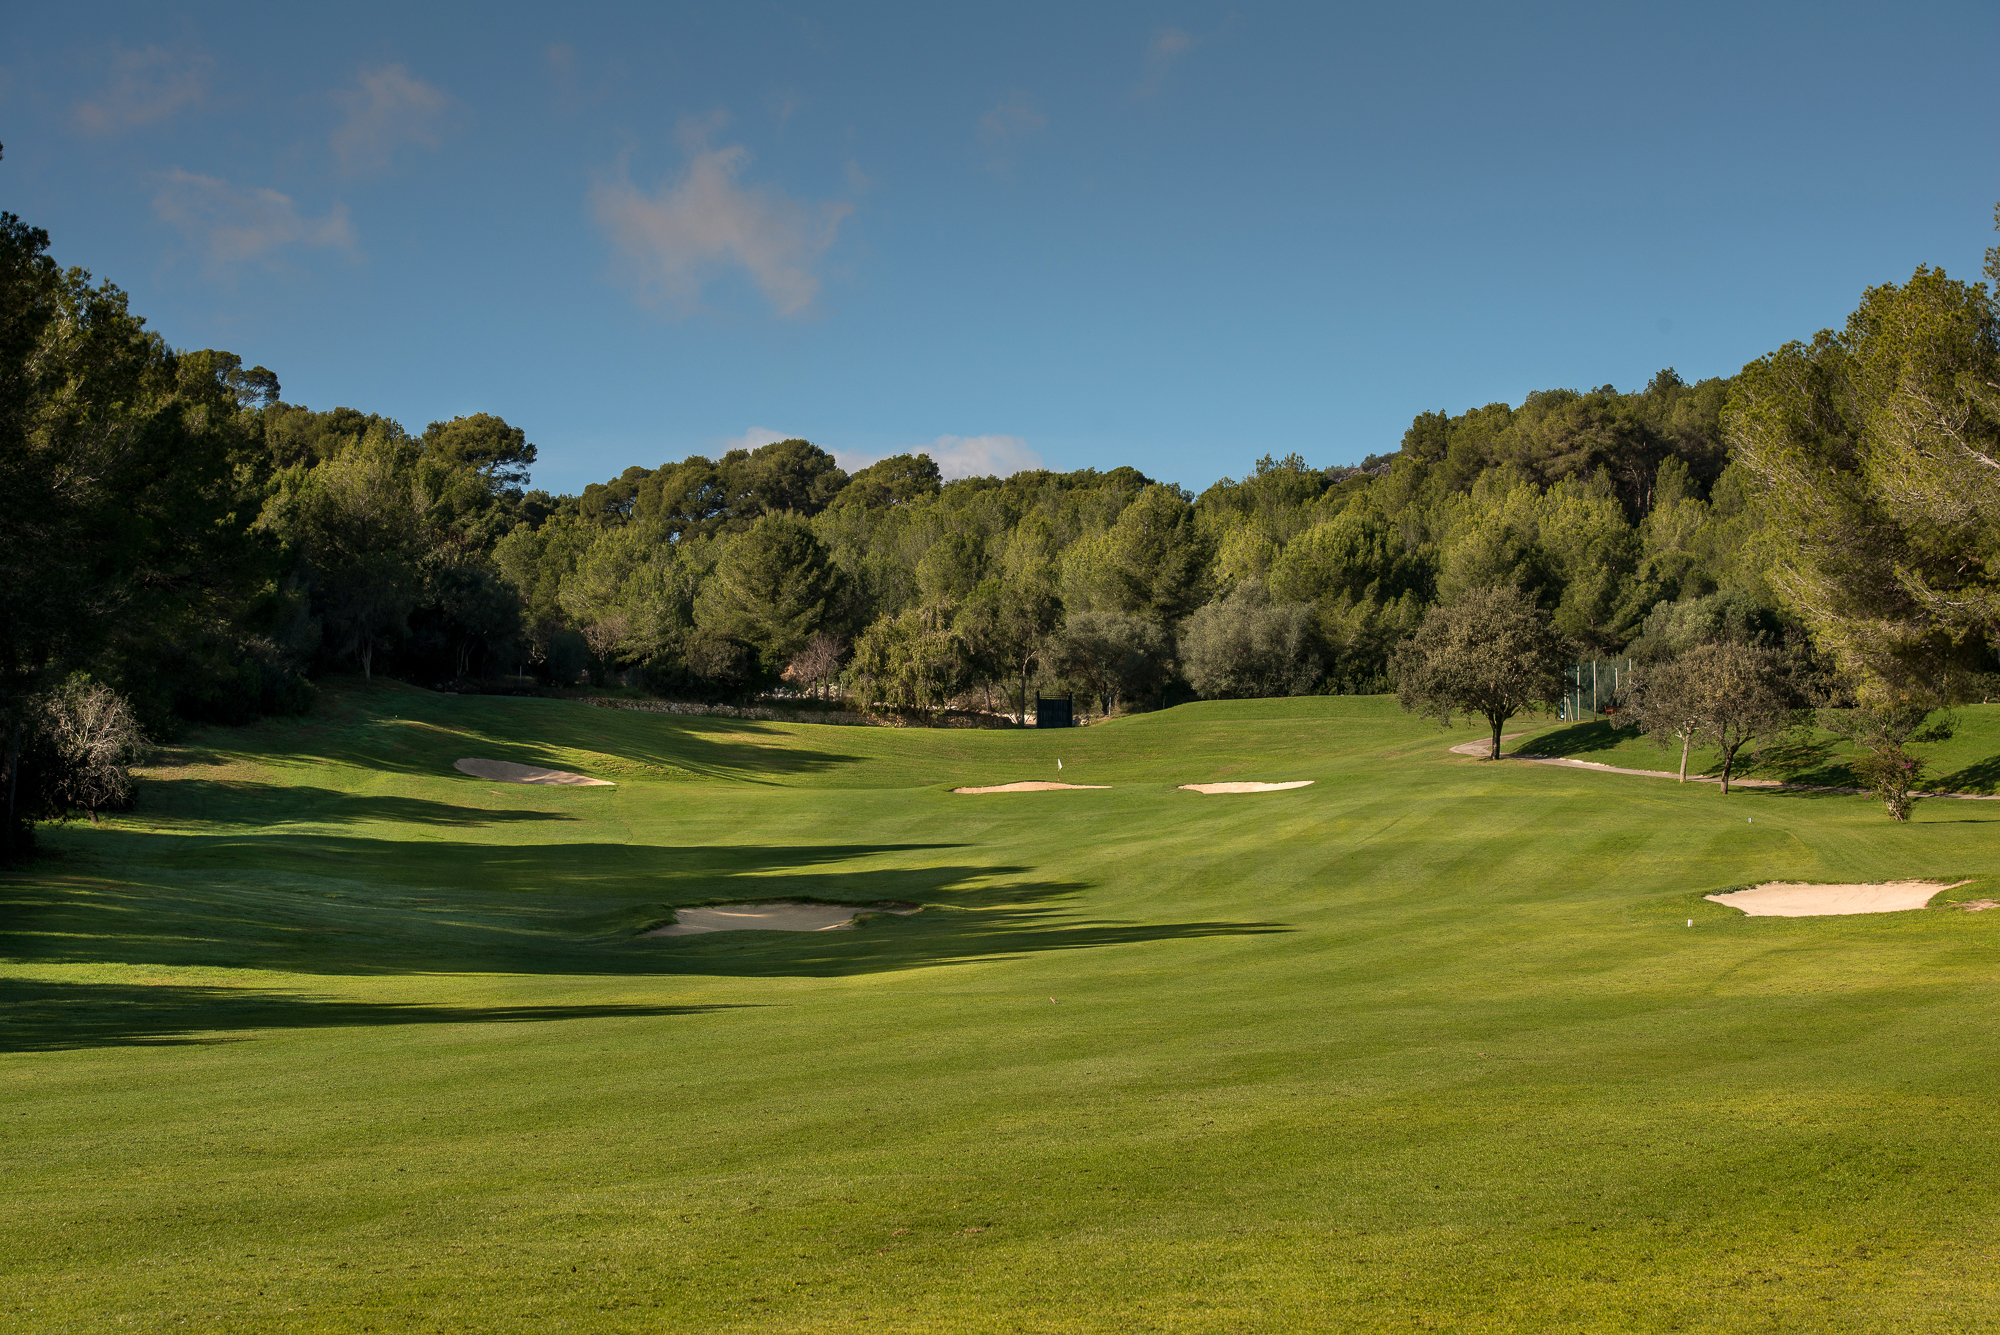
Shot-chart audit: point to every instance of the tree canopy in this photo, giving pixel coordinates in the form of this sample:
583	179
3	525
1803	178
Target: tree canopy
1489	652
183	535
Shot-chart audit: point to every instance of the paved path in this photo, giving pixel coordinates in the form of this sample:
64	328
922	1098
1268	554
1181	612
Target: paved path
1485	744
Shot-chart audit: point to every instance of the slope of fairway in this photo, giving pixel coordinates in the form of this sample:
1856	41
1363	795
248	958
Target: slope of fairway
326	1035
1967	763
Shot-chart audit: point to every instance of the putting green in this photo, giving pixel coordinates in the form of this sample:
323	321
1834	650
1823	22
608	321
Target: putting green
326	1036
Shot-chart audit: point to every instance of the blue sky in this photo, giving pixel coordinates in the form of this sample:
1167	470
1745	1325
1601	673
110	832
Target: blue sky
1177	237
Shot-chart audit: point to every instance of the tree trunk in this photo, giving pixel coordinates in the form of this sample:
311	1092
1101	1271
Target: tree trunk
367	662
1728	760
1498	723
1687	740
13	781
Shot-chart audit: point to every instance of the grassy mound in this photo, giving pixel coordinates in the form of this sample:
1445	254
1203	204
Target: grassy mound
327	1036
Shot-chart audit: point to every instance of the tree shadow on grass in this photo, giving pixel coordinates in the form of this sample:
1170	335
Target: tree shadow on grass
415	732
341	904
43	1016
268	805
1979	777
1578	739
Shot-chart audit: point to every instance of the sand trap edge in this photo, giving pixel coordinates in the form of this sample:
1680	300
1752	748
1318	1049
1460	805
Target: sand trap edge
773	916
1245	787
1808	899
506	771
1030	786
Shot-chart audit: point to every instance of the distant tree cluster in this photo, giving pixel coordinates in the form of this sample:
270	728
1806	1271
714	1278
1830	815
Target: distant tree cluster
201	549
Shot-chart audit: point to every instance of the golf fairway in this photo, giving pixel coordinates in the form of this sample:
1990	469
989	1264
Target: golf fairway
327	1036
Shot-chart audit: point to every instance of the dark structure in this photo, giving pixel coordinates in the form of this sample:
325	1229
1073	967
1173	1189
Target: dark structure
1054	713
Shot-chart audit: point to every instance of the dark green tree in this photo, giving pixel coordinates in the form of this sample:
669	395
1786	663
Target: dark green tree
485	444
1877	457
773	587
1115	655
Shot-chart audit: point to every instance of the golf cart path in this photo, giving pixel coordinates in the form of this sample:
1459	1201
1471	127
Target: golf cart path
1485	744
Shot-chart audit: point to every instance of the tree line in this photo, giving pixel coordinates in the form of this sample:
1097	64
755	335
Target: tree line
178	534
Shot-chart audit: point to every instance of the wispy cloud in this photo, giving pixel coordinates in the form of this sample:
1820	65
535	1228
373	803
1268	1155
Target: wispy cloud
389	109
960	456
755	437
146	86
1163	51
1006	125
783	104
673	240
235	225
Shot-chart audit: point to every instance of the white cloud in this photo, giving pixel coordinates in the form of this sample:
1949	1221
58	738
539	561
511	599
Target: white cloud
960	456
235	224
979	456
389	109
145	86
676	238
754	438
1163	52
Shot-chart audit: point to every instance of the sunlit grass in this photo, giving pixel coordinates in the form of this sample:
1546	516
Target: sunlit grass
327	1036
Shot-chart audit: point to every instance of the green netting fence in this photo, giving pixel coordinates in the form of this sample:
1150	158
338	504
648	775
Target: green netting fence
1593	688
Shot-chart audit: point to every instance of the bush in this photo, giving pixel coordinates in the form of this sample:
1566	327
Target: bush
1247	647
76	742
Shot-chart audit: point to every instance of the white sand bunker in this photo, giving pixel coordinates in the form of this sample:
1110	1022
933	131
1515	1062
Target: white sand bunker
1800	899
1030	787
769	918
1245	787
506	771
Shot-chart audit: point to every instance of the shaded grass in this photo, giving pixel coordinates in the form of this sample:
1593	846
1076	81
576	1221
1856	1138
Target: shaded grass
1968	763
324	1036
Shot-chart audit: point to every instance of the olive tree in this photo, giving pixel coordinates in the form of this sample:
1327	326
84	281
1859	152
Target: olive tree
1728	694
1246	646
1115	654
1489	652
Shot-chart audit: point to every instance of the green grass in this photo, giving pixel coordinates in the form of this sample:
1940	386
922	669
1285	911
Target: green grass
1968	763
325	1036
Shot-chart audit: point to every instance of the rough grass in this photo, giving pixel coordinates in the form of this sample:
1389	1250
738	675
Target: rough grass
326	1036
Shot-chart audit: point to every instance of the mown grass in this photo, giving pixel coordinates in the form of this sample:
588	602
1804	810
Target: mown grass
1969	762
326	1036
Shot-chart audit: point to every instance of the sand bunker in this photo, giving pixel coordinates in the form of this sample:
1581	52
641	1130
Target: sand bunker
506	771
1030	787
1244	787
769	918
1799	899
